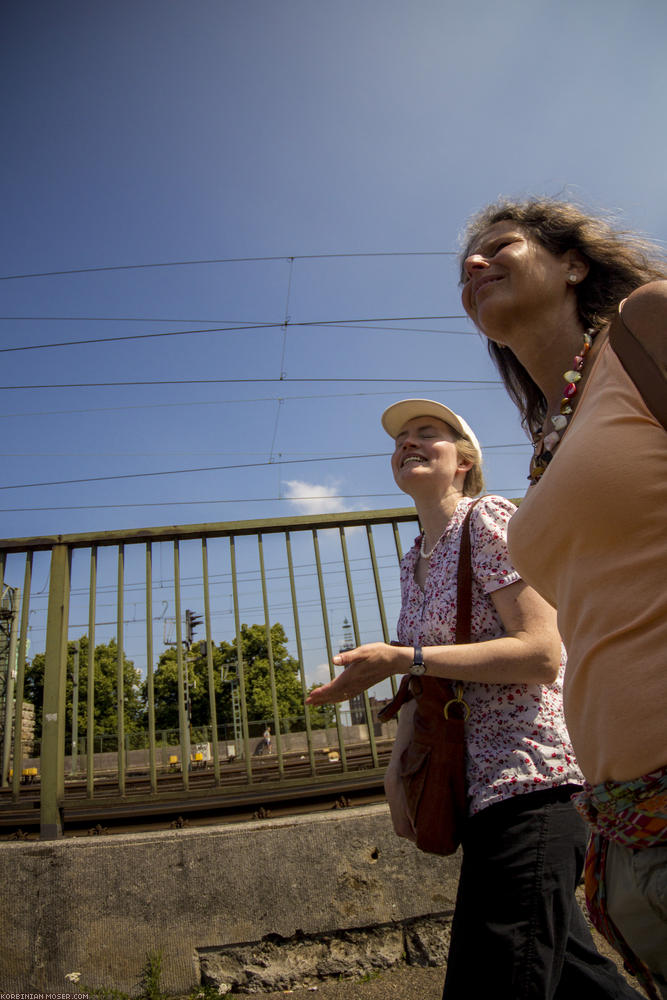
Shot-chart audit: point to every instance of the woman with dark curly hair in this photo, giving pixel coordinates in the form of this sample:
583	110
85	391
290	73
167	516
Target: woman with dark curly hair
543	280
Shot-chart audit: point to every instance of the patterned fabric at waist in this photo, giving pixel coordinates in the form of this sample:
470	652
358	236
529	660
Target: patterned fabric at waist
631	813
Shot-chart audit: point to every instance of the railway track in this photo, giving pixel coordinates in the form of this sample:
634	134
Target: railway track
273	791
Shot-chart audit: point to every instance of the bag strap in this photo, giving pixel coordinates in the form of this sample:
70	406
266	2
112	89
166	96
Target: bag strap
463	614
392	707
638	335
464	581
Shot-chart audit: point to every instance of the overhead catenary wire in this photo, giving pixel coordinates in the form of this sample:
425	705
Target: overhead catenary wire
504	491
228	260
401	324
162	454
216	402
351	324
158	319
189	503
212	468
249	381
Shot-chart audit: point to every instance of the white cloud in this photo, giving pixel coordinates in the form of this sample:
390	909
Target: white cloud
310	498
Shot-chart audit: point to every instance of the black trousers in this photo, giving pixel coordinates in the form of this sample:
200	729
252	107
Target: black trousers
518	932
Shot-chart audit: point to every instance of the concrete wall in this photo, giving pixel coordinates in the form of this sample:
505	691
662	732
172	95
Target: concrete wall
27	727
98	905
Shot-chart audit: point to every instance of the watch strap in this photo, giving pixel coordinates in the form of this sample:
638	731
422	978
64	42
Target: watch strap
418	666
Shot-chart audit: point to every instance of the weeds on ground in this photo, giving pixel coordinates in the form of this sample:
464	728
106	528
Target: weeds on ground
150	977
370	976
102	993
149	985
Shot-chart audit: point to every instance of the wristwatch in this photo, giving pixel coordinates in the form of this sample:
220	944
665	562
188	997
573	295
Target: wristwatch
418	666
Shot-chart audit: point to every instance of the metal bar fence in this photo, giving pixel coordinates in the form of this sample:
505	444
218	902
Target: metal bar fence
164	716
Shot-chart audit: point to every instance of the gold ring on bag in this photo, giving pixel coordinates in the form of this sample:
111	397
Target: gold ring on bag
458	701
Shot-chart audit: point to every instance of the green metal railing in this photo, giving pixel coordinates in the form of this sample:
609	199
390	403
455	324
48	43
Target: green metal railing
308	573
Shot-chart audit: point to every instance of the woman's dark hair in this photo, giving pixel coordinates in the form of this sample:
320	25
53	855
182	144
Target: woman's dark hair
619	261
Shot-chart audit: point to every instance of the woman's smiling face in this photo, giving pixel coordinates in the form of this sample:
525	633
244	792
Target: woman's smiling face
425	454
509	275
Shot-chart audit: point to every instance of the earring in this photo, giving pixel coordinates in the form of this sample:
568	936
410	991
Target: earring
572	278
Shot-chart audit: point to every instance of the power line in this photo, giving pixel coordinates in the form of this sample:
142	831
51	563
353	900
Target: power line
172	454
124	454
211	402
212	468
141	336
507	491
116	319
252	381
229	260
188	503
244	328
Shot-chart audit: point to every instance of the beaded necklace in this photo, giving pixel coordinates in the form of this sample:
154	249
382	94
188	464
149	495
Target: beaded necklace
545	445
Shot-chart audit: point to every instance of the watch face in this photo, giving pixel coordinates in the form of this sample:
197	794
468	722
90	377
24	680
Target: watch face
417	669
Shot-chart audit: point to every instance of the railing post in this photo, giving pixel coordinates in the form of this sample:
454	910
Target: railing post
150	688
330	653
240	670
120	669
75	709
269	650
55	684
357	640
9	689
182	667
90	714
297	636
20	678
209	663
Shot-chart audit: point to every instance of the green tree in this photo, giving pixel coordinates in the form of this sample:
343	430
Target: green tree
257	678
254	652
165	688
106	698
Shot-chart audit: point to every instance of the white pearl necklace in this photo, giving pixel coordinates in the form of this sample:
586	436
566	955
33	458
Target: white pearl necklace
427	555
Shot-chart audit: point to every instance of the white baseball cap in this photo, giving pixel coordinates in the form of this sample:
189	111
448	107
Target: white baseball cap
397	415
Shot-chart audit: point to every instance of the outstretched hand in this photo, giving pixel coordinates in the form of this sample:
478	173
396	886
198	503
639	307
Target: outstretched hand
365	666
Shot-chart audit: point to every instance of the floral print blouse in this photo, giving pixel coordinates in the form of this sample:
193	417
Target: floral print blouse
516	739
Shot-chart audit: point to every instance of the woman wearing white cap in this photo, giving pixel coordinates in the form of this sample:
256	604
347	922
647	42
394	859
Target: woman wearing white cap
517	930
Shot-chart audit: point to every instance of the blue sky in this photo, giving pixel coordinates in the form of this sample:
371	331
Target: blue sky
141	132
148	132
